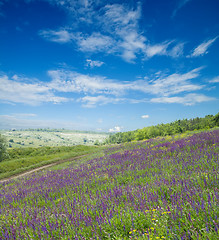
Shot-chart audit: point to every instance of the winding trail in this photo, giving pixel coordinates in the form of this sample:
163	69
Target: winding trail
40	168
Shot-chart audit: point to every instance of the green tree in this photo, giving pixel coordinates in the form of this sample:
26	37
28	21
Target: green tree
3	148
216	119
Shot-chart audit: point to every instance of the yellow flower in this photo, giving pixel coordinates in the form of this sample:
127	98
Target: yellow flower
130	232
134	230
153	219
154	210
157	238
152	228
162	237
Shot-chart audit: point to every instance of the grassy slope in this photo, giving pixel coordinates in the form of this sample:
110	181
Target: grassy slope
22	160
155	189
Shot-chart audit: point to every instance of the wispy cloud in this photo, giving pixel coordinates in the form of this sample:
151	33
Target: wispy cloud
97	90
164	49
179	6
202	49
91	63
96	42
59	36
157	49
177	50
118	31
15	91
214	80
188	100
100	100
67	81
93	101
174	83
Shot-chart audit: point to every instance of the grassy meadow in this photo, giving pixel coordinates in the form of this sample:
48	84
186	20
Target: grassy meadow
24	159
163	188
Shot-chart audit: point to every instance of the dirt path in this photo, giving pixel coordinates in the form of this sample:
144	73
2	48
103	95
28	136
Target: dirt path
40	168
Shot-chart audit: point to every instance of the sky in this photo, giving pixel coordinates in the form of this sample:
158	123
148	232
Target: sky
107	65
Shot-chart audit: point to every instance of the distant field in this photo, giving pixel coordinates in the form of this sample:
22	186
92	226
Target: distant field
38	138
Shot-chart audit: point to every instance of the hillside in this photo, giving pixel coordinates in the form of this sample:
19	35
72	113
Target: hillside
177	127
163	188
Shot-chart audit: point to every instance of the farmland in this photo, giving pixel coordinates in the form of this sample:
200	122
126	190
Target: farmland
46	137
162	188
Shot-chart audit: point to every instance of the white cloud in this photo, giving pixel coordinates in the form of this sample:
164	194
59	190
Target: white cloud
157	49
164	49
145	116
180	5
67	81
115	129
61	36
93	101
91	63
202	48
118	30
177	50
118	25
101	89
96	42
15	91
122	23
173	84
214	80
189	99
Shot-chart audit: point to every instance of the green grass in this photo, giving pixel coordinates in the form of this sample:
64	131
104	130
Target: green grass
24	159
156	189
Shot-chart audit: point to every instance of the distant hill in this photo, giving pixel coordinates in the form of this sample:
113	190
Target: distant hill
52	137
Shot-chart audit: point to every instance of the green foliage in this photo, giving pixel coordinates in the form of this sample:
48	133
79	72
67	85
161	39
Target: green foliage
3	148
216	119
177	127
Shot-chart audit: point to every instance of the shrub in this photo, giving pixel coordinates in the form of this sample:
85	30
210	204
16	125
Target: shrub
3	148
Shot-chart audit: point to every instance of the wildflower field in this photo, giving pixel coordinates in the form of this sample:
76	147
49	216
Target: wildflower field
155	189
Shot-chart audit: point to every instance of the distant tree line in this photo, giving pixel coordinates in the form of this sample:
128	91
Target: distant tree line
179	126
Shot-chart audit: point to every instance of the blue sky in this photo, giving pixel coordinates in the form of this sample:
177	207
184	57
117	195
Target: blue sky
107	65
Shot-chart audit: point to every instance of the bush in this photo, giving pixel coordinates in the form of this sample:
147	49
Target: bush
3	148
